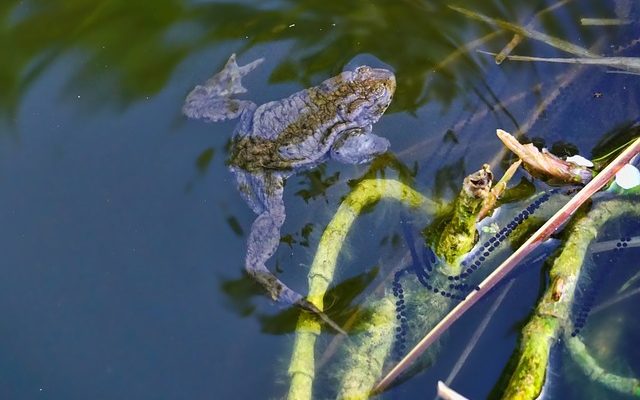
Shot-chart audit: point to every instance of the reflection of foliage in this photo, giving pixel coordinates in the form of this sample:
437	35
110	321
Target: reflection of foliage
235	225
341	305
612	142
129	49
239	292
523	190
124	45
316	182
340	299
385	163
302	238
447	179
204	159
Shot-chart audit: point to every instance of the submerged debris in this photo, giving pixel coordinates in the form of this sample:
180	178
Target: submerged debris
528	32
544	163
627	64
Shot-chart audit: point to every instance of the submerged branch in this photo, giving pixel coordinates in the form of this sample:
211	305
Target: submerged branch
511	262
548	321
628	64
367	193
528	32
517	38
458	235
368	351
591	368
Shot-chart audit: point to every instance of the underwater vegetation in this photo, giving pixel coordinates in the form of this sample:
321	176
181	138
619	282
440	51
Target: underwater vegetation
441	281
380	335
387	250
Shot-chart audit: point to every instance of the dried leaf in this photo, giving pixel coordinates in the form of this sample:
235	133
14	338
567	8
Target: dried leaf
544	163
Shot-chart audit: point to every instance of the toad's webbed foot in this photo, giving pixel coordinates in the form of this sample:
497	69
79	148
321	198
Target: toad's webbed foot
212	101
281	293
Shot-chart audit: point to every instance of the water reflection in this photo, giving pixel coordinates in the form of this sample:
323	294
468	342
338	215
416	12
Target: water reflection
129	50
341	302
116	53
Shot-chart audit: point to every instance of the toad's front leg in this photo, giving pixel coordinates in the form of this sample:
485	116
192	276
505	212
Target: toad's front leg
358	146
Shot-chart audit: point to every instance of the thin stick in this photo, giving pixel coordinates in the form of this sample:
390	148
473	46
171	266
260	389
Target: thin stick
624	63
478	332
527	32
603	21
446	393
512	261
517	38
615	300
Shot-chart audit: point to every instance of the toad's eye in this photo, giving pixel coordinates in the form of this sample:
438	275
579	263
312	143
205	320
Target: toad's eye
363	69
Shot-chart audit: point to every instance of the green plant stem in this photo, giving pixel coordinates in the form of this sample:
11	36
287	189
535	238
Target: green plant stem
367	352
458	235
368	192
547	323
589	365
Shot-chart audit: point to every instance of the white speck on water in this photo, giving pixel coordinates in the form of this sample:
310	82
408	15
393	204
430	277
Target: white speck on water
579	160
292	25
78	96
628	177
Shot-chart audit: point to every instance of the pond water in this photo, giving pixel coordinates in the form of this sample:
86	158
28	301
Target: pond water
123	235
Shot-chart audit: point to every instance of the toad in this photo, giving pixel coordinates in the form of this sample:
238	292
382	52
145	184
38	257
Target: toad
277	139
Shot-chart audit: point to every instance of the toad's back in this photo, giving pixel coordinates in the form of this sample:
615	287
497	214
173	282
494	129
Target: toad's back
298	131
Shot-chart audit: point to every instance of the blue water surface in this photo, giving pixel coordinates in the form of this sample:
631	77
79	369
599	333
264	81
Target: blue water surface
123	236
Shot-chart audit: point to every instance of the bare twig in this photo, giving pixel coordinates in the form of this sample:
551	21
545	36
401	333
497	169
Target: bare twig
478	332
528	32
446	393
517	38
628	64
603	21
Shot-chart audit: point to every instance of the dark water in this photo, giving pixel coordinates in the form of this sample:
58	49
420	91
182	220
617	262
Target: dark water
123	236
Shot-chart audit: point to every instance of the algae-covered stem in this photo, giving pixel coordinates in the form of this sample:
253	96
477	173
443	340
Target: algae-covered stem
497	275
302	368
548	321
368	356
451	237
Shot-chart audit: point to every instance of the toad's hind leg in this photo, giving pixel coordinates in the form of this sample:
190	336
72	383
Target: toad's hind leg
263	192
